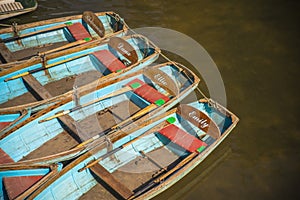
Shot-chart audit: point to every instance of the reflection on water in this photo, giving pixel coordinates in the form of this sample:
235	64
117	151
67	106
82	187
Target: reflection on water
255	45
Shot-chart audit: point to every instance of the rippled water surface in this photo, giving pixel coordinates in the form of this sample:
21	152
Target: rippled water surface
255	45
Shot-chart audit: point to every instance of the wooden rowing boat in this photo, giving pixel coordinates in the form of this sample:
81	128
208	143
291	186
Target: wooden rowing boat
139	161
26	90
21	42
102	107
12	8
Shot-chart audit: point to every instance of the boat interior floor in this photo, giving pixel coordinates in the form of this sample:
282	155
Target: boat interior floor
135	173
55	88
87	128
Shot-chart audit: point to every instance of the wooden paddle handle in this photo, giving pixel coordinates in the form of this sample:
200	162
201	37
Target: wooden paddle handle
118	92
135	116
178	166
72	44
46	67
55	116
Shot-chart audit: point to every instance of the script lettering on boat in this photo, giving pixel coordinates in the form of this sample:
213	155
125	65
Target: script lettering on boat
202	122
93	21
124	48
199	119
163	80
121	47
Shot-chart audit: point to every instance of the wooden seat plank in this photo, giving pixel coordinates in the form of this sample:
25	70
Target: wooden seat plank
117	186
39	90
36	87
70	123
5	53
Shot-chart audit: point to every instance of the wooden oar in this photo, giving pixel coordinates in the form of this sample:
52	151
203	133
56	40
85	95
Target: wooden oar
65	112
46	67
120	125
135	116
33	33
72	44
164	176
92	163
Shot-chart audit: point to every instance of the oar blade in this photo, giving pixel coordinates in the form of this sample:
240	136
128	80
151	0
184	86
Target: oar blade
124	48
200	119
163	80
94	22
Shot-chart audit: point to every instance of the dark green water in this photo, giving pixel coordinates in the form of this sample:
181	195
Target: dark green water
255	45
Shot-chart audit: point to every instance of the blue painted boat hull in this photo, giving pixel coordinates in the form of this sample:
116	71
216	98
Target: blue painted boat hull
73	183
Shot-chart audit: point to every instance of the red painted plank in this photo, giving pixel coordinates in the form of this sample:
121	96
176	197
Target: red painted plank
182	138
109	60
3	125
147	92
150	94
15	186
4	158
78	31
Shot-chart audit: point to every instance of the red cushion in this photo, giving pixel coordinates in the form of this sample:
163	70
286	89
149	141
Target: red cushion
109	60
15	186
147	92
4	157
182	138
78	31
